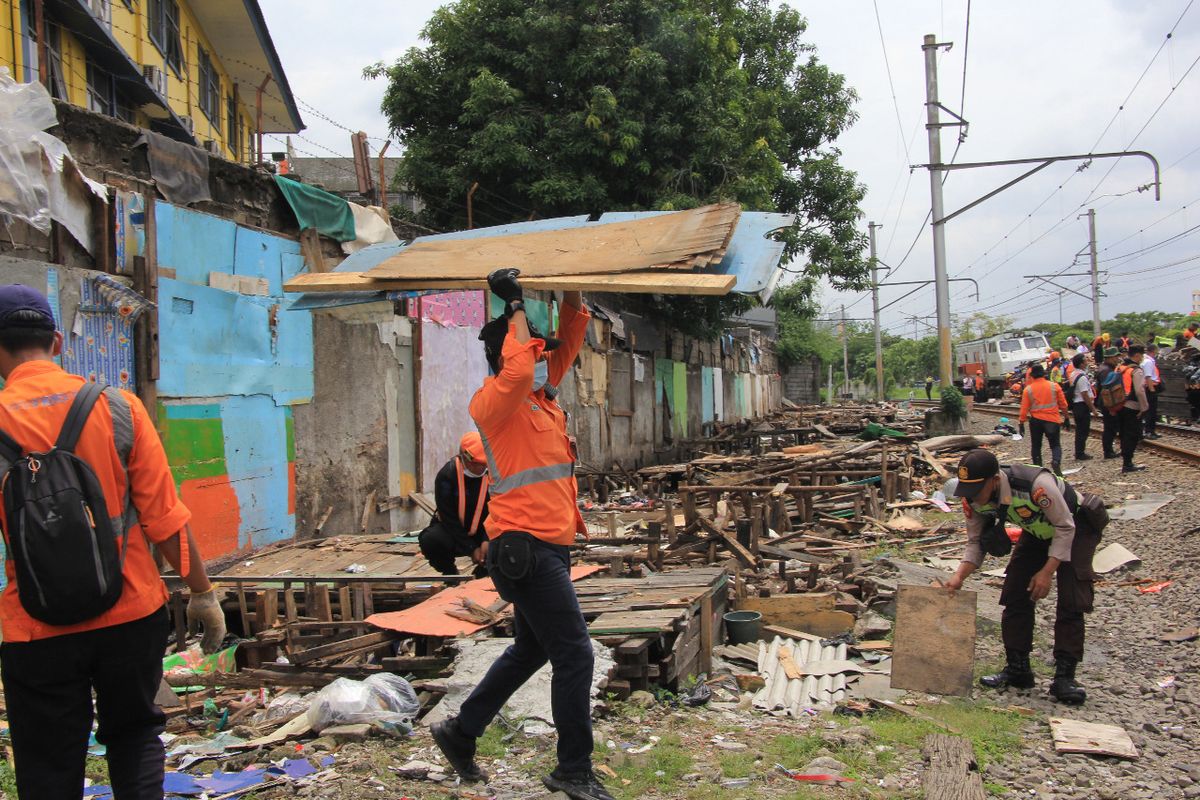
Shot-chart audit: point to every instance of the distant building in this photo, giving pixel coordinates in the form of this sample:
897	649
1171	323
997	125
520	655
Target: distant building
337	176
1196	301
189	69
762	318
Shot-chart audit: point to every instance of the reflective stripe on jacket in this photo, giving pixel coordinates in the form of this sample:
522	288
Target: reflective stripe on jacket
1042	400
531	459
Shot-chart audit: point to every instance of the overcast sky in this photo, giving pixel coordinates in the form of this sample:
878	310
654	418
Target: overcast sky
1042	78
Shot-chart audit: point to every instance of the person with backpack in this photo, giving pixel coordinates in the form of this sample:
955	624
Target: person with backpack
1060	529
1134	407
86	491
1083	407
1108	387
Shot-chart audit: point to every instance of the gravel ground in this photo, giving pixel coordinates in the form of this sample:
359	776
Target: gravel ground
1133	679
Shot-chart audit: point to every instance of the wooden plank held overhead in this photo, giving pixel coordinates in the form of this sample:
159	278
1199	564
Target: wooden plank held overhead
660	282
683	240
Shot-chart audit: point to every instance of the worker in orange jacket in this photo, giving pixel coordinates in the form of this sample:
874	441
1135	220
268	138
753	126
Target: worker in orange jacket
460	491
114	647
1042	405
532	520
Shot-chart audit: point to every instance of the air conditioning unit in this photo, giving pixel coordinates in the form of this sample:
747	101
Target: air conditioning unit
156	77
211	146
188	125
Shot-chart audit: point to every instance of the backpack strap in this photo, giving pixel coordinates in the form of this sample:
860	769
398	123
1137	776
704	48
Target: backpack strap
81	409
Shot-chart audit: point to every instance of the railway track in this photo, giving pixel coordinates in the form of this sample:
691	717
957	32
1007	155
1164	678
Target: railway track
1158	446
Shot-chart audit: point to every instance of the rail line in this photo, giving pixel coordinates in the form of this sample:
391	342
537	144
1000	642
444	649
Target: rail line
1156	446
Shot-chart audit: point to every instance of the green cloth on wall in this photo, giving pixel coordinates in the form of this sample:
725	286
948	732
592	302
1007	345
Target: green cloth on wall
537	311
317	208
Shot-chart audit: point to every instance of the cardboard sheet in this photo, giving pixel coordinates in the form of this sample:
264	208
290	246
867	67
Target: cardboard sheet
933	649
430	618
1113	557
1073	736
1141	508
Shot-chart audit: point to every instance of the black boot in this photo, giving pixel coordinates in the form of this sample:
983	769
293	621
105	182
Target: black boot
1063	688
1056	467
459	749
577	785
1017	673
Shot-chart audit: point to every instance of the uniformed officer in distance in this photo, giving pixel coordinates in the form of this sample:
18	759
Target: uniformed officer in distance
1060	529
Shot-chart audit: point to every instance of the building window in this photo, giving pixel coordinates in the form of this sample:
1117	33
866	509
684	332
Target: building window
101	10
164	32
233	135
99	90
54	66
210	88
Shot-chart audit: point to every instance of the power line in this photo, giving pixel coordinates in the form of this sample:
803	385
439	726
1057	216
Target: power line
891	84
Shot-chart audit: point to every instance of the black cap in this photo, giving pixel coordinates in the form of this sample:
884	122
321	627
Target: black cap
494	333
975	468
17	297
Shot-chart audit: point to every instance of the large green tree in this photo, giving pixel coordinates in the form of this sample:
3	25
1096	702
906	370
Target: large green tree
560	107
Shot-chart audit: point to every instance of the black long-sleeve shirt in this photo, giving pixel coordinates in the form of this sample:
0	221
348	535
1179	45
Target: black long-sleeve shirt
445	494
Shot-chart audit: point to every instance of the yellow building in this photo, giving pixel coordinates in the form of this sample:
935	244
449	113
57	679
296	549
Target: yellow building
189	69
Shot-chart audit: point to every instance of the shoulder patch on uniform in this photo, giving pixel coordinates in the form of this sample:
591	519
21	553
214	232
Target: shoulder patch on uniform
1041	498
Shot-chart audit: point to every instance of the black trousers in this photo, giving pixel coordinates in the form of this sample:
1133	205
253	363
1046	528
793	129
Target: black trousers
1039	428
929	391
1130	428
1083	427
1150	421
549	626
48	687
1076	592
1109	437
1193	397
441	544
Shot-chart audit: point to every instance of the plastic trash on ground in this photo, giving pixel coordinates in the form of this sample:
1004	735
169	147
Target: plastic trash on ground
283	707
385	701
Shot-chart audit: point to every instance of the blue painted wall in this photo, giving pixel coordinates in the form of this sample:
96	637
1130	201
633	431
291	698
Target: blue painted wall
243	357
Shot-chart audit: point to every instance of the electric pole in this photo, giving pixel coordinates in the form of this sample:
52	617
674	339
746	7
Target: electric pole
941	283
871	226
1095	273
845	354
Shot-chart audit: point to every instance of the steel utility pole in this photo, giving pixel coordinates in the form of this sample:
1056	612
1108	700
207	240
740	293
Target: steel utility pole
941	283
871	226
1095	272
845	354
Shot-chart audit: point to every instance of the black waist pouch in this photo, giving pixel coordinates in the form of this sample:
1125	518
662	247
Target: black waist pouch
515	554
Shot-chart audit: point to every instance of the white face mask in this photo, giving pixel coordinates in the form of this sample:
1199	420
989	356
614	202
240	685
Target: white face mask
541	374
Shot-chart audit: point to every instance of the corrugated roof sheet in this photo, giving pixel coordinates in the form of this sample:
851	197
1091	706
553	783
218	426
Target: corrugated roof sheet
794	695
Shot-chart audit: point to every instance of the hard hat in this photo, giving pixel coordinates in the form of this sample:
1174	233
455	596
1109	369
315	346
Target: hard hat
1056	354
472	445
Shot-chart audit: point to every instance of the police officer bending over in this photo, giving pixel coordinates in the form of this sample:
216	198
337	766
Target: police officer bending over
461	492
1060	529
533	519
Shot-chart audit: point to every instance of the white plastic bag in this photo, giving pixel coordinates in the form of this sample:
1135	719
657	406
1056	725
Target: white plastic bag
25	111
384	700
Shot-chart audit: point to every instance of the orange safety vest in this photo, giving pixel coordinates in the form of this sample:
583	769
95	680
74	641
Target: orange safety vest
1043	400
462	498
978	382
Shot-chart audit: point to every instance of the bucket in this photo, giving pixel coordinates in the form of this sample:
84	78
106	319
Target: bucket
742	626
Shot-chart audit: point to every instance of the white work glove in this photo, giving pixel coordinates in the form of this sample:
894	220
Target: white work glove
203	609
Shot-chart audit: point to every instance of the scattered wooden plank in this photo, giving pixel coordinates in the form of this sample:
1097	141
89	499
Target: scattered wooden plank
689	283
812	613
667	240
933	649
788	633
344	646
1074	736
951	772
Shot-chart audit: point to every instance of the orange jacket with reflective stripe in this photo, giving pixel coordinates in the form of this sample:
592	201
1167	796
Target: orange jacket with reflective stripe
33	406
1044	400
531	459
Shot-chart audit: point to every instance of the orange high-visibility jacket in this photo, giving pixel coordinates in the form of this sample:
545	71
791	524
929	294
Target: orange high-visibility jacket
121	446
531	459
1044	400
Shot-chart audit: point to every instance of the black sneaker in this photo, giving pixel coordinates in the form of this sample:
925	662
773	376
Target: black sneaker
459	750
1083	457
577	785
1132	468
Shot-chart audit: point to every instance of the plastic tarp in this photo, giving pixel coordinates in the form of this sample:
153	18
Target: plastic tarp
316	208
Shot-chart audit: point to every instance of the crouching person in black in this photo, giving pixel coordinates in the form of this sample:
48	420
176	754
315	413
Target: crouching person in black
461	492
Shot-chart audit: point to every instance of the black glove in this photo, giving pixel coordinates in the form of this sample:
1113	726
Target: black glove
503	283
1021	428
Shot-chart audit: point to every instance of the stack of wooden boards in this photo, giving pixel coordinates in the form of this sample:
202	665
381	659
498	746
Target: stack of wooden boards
660	254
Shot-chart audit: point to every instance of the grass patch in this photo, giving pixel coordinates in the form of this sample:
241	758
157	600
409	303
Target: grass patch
660	769
96	768
794	752
994	734
492	744
737	765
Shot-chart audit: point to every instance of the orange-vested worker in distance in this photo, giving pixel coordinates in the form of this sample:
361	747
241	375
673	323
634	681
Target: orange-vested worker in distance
532	520
1043	404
